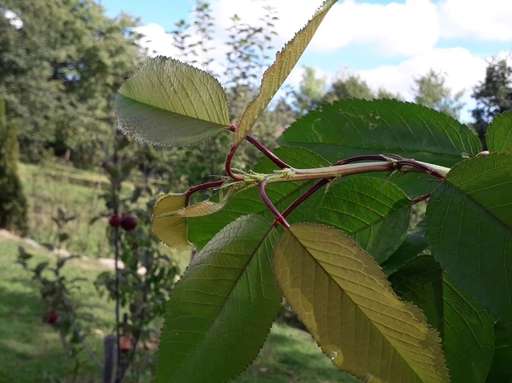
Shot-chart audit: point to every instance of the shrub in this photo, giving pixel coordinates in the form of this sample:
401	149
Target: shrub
13	205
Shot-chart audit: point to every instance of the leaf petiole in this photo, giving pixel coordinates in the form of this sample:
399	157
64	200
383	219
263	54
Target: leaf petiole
268	202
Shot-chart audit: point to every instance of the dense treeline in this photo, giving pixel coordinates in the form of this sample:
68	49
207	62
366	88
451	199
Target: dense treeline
61	61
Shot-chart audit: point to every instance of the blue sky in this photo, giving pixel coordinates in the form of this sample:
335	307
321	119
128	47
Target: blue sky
163	12
388	43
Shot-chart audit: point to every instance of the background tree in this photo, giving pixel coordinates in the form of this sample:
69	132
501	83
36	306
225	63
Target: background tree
13	206
354	86
59	67
431	90
493	95
310	92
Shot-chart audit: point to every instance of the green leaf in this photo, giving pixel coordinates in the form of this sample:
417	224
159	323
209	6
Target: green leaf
467	329
221	311
468	336
277	73
344	299
420	281
413	184
167	102
413	245
202	229
356	127
501	370
499	134
373	211
469	221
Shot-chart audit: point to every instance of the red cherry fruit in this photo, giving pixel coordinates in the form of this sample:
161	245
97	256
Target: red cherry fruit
128	222
125	343
114	220
52	317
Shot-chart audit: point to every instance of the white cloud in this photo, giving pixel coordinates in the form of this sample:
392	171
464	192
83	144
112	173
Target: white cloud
14	19
156	40
461	68
478	19
406	29
397	28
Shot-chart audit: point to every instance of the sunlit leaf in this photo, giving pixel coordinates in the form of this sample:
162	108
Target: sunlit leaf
356	127
167	102
277	73
169	217
221	311
469	221
499	134
344	299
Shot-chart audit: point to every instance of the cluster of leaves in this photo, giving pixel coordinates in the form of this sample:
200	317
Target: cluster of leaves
338	250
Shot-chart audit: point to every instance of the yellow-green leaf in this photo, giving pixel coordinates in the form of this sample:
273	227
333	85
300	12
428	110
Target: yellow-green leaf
167	102
169	218
344	299
277	73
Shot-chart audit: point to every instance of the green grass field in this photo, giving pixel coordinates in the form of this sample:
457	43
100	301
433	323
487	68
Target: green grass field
52	186
30	349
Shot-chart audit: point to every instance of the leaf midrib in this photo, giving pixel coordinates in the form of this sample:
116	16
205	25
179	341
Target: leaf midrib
184	116
228	295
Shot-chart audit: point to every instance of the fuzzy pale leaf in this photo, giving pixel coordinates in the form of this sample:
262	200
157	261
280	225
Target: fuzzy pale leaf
167	102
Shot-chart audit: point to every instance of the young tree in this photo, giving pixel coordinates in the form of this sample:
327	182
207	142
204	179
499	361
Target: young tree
431	90
13	206
493	95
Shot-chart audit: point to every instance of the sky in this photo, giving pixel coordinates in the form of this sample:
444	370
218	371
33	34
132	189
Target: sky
388	43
